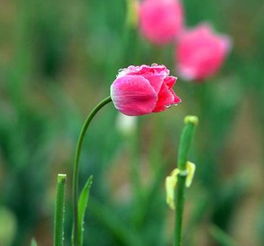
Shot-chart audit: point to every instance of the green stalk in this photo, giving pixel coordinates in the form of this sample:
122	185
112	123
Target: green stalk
76	241
59	211
184	147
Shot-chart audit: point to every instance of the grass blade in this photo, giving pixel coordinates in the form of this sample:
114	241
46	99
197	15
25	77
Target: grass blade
59	211
82	205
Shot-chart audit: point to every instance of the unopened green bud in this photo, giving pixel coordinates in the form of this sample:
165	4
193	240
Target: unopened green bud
191	119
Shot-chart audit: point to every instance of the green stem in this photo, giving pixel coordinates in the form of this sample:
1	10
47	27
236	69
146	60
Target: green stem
59	211
75	239
184	147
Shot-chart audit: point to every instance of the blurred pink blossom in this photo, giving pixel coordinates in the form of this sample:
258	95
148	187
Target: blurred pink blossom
140	90
160	20
200	52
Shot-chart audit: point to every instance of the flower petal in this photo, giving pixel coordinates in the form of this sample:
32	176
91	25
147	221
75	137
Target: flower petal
166	98
155	74
161	21
200	52
133	95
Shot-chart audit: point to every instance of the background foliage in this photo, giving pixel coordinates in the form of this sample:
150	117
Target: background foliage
58	58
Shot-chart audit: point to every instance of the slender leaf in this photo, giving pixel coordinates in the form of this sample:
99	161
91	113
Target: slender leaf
82	205
59	211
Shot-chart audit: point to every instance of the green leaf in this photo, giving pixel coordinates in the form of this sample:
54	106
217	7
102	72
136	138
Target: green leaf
82	205
59	211
33	242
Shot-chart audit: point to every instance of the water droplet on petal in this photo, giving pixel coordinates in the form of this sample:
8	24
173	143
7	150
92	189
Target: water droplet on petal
120	70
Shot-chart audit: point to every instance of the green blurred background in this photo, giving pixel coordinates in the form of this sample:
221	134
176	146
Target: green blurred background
58	59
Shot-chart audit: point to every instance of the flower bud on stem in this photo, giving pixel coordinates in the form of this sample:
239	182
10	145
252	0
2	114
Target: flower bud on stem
76	240
184	147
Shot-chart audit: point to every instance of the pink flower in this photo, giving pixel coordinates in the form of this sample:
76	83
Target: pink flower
200	52
140	90
160	20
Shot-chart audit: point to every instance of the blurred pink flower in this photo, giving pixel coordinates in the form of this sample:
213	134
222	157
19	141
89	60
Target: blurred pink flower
160	20
200	52
140	90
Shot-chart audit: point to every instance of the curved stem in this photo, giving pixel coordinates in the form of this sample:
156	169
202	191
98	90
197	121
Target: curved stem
75	241
184	147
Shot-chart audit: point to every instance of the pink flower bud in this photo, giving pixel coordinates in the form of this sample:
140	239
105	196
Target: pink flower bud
200	52
160	20
140	90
